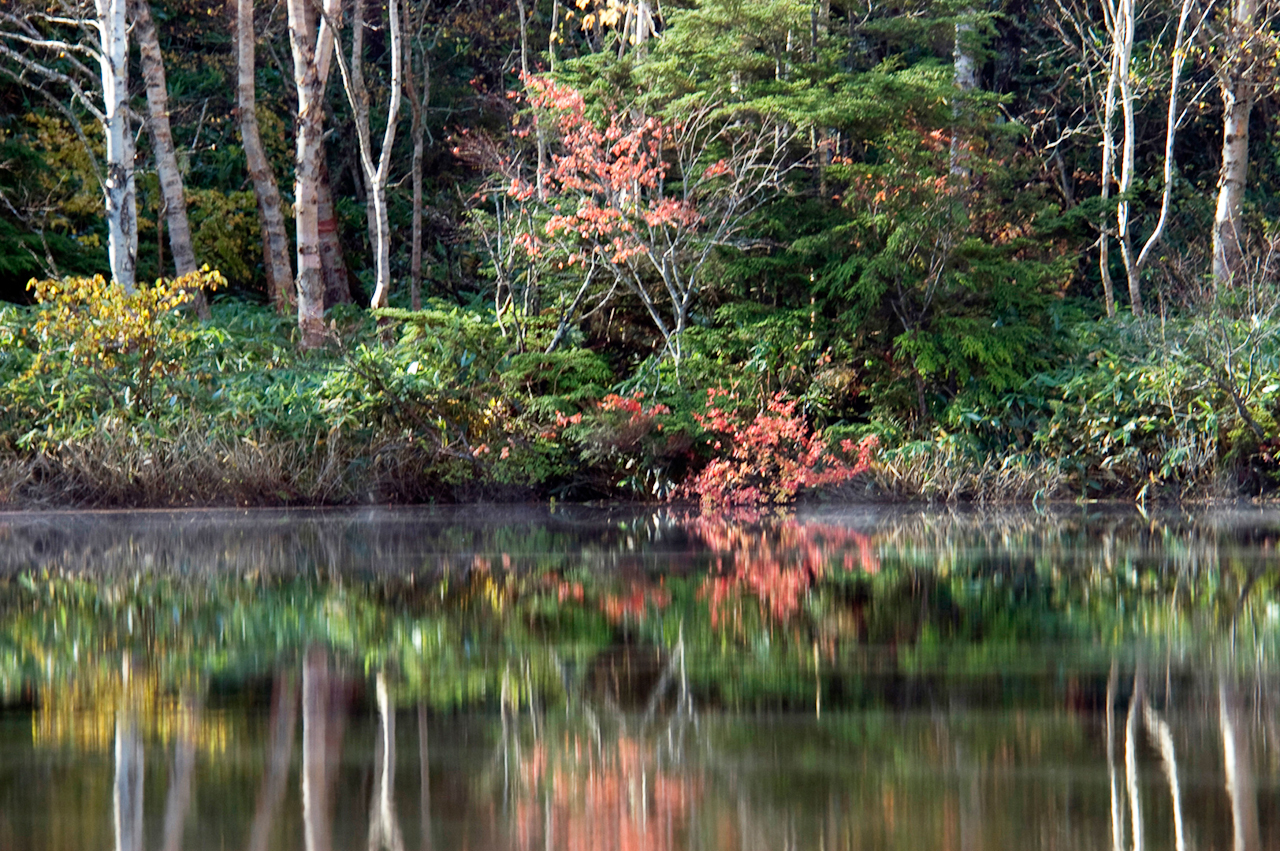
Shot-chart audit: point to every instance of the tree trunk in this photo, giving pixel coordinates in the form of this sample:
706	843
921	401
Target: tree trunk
417	129
375	176
966	80
312	47
118	186
1122	36
175	201
333	264
1238	94
275	241
1108	174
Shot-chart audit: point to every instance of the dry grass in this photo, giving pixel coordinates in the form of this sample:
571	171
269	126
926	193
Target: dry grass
119	467
943	475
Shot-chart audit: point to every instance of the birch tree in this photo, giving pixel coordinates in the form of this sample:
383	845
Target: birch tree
375	175
275	242
1237	81
52	49
171	187
311	39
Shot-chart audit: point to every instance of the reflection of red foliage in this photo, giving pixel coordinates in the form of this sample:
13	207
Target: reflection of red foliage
592	799
634	603
769	458
778	562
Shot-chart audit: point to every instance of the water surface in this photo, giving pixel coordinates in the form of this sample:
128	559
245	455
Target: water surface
596	678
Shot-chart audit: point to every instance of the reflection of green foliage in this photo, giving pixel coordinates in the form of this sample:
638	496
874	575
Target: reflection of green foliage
540	607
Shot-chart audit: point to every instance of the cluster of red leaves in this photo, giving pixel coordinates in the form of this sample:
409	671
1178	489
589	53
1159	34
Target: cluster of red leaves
776	563
770	457
606	181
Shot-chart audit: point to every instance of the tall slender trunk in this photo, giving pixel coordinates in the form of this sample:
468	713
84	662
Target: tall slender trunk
376	176
966	80
118	186
1238	93
333	264
1181	39
1108	175
175	200
312	47
275	241
1123	27
418	101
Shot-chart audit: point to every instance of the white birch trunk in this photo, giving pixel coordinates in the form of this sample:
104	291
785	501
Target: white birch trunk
1238	95
966	80
275	241
118	187
1123	47
171	188
312	47
376	176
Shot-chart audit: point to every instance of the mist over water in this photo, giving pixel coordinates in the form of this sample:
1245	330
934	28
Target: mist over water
597	678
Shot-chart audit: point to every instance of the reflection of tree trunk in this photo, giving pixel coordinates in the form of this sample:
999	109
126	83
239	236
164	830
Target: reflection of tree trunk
384	824
322	722
1239	770
1117	816
128	785
1131	761
1163	738
284	715
178	801
424	763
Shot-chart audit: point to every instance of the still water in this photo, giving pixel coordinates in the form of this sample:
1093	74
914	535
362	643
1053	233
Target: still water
591	678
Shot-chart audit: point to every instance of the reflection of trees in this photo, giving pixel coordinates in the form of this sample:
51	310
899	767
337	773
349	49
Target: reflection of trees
1238	764
127	793
602	778
384	824
284	719
323	724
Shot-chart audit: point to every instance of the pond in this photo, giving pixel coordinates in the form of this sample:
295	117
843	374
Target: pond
624	678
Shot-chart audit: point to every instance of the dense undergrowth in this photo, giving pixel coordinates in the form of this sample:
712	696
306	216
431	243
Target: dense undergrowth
136	403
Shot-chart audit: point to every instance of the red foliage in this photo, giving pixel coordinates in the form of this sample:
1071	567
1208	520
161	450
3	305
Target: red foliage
608	179
769	458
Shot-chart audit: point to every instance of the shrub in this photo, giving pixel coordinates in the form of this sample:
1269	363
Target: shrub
770	457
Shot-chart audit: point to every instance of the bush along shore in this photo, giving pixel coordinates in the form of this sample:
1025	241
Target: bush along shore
115	399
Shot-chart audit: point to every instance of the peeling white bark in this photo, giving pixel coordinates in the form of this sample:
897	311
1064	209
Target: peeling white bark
312	45
118	185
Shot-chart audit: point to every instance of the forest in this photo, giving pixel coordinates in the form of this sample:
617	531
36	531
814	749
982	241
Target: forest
724	252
